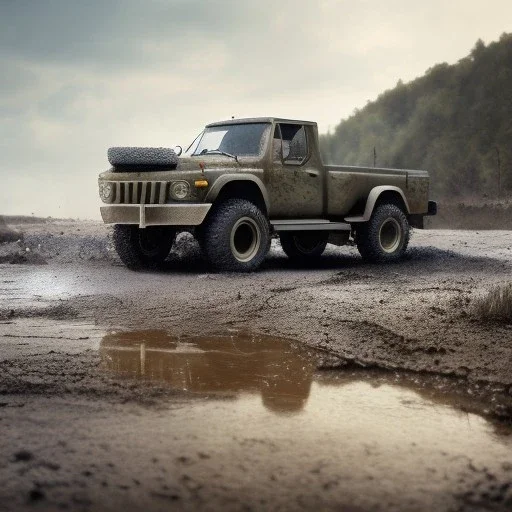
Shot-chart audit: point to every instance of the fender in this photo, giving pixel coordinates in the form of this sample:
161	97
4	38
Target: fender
229	178
373	196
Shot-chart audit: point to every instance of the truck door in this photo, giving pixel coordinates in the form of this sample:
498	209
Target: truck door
295	187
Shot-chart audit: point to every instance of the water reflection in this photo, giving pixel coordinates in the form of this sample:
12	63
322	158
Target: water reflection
407	445
225	365
282	373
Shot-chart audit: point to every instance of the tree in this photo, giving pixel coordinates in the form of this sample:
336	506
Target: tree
448	121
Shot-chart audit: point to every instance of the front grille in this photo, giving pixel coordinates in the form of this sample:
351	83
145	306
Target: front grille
139	192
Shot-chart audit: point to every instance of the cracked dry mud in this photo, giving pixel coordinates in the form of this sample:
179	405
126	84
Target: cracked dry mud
393	349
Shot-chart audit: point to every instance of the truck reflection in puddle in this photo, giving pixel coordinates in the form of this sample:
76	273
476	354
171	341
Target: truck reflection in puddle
222	365
289	433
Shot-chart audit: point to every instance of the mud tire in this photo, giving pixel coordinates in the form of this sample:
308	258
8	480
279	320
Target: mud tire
384	238
303	247
235	236
144	248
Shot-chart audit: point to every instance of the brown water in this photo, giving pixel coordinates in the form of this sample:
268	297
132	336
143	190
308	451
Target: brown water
227	366
269	411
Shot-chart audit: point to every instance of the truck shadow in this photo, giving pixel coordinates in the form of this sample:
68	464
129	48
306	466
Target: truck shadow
418	260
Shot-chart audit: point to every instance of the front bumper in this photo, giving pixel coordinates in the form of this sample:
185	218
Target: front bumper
155	214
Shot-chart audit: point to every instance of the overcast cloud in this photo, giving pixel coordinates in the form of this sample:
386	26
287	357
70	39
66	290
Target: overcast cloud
79	76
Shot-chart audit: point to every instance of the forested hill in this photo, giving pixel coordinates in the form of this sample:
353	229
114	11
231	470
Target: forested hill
455	121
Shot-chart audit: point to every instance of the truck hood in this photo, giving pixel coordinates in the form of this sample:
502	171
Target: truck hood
192	163
187	163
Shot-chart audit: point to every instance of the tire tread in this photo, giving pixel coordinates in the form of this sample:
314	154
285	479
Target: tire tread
217	230
295	254
367	238
126	246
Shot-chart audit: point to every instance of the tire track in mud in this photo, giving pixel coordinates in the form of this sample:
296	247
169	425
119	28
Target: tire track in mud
390	350
363	321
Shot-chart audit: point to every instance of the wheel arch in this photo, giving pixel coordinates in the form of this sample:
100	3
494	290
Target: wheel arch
241	186
378	195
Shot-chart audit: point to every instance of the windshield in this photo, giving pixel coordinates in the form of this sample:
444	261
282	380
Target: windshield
234	139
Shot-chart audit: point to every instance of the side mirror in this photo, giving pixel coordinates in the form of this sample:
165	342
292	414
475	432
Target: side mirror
178	150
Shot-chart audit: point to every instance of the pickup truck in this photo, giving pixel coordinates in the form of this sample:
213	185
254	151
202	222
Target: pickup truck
244	180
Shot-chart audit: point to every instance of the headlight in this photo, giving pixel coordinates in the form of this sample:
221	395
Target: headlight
106	190
179	189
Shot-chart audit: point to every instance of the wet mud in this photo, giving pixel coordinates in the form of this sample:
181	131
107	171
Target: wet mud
341	386
247	421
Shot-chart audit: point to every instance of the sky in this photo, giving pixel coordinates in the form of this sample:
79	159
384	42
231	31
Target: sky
77	77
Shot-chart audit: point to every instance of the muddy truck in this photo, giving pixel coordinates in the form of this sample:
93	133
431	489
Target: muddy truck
243	181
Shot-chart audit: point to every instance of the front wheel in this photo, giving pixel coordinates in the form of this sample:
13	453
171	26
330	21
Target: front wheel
143	248
384	238
236	236
303	247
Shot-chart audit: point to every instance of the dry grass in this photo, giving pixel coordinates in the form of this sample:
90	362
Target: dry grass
496	305
6	233
22	219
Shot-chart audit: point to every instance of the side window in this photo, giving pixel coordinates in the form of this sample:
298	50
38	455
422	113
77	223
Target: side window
295	148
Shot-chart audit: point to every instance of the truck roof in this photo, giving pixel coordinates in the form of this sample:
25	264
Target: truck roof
260	120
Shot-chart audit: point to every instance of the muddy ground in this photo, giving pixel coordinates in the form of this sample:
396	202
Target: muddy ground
67	424
472	214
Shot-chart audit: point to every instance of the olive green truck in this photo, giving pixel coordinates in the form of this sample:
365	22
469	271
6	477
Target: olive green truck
241	182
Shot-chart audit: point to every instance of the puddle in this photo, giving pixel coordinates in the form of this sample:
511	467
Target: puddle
271	421
280	377
281	373
228	366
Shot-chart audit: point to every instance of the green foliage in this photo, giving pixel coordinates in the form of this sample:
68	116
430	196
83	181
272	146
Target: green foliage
454	122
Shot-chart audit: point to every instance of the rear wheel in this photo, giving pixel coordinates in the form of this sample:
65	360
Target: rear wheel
384	238
235	236
143	248
303	246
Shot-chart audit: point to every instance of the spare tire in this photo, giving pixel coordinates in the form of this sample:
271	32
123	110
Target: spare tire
133	156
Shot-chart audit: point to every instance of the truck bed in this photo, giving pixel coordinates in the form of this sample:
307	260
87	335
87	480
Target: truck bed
348	186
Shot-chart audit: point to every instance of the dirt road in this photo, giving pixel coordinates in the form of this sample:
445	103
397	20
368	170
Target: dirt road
73	429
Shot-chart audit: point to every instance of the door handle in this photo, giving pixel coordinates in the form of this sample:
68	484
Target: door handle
313	174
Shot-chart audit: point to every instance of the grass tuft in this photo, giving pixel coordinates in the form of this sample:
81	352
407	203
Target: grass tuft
7	234
496	305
